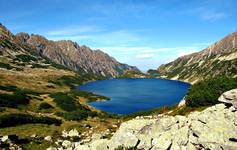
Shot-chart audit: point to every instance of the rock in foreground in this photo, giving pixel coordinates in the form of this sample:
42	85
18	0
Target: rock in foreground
213	128
229	97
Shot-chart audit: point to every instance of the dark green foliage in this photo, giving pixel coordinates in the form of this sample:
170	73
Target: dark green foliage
208	91
25	58
65	102
18	119
76	80
88	95
74	110
58	66
38	66
19	97
153	72
131	74
2	109
8	44
44	105
8	88
78	115
53	64
68	80
7	66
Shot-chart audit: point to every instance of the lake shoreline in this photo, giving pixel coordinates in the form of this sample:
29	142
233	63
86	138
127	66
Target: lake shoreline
183	84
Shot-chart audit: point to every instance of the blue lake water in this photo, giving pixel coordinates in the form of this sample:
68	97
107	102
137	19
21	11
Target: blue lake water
132	95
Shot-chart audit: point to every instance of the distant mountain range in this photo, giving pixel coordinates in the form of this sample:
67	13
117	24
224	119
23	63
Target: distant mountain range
218	59
68	53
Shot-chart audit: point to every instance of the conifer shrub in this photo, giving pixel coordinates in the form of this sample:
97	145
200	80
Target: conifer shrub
207	92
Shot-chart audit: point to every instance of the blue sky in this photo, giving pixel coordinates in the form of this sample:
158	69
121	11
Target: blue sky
144	33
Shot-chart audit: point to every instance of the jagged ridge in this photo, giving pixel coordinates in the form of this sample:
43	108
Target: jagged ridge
217	59
76	57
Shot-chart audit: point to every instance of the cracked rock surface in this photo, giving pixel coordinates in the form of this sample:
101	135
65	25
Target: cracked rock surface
214	128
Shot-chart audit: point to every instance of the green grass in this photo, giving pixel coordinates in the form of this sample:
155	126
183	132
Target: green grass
185	110
73	81
37	145
67	80
154	111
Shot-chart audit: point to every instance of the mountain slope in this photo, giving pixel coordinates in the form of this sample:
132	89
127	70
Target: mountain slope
20	66
70	54
35	92
217	59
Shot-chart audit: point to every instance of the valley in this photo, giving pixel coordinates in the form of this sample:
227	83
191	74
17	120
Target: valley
41	109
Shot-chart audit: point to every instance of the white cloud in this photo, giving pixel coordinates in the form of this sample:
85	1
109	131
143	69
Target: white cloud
213	16
95	35
183	52
74	30
207	13
73	38
147	49
145	56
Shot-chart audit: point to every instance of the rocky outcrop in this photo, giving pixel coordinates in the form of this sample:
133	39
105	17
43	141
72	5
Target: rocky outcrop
213	128
70	54
217	59
229	97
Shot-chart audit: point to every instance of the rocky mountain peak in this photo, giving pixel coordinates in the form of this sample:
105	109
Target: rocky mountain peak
69	53
217	59
4	32
22	37
225	45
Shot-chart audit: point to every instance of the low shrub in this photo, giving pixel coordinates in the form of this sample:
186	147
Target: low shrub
8	88
74	110
44	105
19	97
207	92
25	58
2	109
78	115
88	95
19	119
154	111
6	66
69	80
38	66
65	102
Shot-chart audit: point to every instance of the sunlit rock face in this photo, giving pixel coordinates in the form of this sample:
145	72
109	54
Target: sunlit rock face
213	128
229	97
218	59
